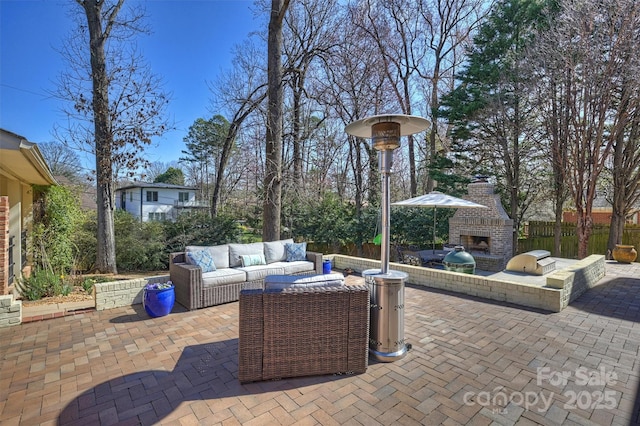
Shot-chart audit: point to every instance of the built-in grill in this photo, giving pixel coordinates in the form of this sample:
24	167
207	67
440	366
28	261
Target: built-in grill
485	233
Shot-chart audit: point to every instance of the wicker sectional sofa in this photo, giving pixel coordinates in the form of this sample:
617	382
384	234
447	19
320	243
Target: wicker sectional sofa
196	289
292	332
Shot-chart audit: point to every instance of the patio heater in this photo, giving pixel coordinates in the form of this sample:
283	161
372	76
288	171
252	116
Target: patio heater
386	287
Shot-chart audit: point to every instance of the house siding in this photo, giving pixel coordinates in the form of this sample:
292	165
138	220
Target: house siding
135	201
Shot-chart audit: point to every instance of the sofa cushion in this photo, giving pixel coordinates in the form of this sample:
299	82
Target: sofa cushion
253	259
274	250
202	259
237	250
223	276
296	251
280	282
258	272
296	267
220	254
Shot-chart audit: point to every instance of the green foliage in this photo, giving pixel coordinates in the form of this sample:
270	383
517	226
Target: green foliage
57	219
368	226
139	245
334	223
493	77
145	246
198	228
449	180
172	175
87	284
329	221
414	225
65	289
205	139
42	283
86	243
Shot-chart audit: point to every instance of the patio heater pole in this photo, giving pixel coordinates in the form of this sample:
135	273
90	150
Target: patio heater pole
386	287
381	133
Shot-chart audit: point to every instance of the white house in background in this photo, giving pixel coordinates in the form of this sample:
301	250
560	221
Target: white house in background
157	201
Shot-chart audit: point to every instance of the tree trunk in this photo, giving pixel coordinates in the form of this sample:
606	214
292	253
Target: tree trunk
359	190
434	104
297	125
273	166
616	229
106	250
222	166
619	206
583	230
412	167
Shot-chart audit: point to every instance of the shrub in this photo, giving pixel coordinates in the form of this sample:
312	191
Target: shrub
414	225
85	242
42	283
328	221
87	284
140	246
198	228
57	217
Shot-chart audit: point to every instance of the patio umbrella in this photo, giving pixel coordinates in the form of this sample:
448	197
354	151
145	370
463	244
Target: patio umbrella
437	199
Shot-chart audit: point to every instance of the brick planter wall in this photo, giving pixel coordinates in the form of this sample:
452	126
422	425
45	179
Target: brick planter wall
10	311
116	294
562	287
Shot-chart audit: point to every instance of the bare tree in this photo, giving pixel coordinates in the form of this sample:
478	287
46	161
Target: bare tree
553	94
273	175
117	104
447	29
626	175
240	92
309	35
155	169
492	111
62	160
626	126
354	88
592	43
396	35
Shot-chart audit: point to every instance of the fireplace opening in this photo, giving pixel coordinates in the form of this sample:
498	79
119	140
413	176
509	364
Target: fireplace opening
476	243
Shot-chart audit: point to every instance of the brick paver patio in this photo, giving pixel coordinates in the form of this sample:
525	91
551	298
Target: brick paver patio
472	362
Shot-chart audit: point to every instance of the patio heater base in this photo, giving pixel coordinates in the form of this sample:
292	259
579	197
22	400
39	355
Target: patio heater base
386	332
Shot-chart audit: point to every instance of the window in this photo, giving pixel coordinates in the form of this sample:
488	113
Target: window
183	197
152	195
131	196
157	216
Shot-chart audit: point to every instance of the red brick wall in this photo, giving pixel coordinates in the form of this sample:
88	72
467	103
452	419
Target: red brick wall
4	244
600	218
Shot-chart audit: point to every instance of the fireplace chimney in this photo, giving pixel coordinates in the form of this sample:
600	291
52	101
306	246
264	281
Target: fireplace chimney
485	233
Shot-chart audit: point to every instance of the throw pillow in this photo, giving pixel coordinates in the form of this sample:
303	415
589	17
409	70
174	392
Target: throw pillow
274	250
237	250
296	251
203	259
220	254
253	259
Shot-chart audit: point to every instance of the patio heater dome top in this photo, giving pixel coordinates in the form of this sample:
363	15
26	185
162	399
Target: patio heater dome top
409	124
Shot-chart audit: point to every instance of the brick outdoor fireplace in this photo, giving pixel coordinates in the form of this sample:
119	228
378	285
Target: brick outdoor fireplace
485	233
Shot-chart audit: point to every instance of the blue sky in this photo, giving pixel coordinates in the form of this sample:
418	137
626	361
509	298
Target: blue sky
191	43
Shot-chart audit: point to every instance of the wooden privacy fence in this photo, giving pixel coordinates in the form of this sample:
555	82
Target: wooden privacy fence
540	237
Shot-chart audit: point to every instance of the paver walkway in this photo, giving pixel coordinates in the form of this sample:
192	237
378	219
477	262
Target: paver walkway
472	362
